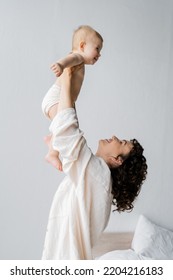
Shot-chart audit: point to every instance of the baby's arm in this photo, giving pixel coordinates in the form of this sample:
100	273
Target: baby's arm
71	60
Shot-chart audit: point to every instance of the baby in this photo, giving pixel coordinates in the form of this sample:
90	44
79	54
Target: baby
86	46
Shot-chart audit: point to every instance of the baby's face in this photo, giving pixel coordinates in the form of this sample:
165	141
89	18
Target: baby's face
92	50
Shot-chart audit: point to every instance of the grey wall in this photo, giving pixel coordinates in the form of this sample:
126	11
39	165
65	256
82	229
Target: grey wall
127	93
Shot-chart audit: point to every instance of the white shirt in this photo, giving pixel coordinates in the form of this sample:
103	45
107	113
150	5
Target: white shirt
81	206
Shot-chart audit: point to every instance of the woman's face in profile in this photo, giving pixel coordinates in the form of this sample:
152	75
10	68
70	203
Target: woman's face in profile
114	147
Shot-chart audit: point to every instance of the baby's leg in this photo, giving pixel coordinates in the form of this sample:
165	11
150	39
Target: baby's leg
49	108
52	156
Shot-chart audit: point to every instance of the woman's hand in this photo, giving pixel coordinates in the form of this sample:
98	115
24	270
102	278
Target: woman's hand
71	71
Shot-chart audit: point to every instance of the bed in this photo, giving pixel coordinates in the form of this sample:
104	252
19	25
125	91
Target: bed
149	241
111	241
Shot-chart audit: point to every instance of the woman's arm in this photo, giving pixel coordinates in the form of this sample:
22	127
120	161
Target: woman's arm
66	98
67	137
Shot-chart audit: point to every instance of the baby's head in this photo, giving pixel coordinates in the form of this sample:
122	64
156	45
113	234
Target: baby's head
88	42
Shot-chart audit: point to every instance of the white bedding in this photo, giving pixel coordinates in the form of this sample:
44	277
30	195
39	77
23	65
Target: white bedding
128	254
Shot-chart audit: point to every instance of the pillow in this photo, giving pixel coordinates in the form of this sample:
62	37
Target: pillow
152	241
120	255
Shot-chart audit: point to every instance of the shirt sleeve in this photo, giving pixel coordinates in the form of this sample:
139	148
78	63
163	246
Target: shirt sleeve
68	139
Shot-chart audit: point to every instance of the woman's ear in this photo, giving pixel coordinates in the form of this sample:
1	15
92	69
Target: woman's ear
82	45
116	161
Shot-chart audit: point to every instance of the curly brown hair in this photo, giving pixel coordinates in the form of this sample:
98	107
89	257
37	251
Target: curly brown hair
128	178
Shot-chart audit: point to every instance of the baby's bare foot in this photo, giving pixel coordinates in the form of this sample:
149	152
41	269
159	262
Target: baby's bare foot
53	159
52	156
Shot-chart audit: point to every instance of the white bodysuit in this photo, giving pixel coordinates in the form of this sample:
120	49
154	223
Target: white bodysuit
51	98
81	206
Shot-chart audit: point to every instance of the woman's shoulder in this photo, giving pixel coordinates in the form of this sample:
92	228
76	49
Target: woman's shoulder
99	171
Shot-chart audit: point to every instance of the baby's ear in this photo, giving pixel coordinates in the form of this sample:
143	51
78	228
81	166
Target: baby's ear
82	45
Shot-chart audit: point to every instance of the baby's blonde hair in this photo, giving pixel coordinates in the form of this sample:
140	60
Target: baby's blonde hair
81	34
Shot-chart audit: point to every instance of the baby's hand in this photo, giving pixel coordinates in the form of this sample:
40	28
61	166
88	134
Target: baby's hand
57	69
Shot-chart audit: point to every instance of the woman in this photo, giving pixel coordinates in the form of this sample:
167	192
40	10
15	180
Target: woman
82	204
